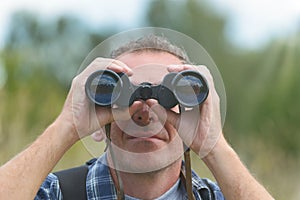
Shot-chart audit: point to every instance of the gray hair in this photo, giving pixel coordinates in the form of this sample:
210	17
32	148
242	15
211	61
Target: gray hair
152	43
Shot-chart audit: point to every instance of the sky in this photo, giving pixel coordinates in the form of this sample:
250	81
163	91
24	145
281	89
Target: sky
252	23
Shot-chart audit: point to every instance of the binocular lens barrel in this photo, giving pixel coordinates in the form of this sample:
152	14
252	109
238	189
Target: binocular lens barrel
103	87
187	88
190	88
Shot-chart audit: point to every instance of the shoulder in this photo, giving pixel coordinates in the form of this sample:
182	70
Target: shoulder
49	189
206	188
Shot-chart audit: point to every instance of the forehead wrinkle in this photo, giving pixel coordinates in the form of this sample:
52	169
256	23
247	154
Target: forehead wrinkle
148	66
153	74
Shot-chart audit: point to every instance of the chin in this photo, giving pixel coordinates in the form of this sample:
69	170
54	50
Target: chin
147	156
145	145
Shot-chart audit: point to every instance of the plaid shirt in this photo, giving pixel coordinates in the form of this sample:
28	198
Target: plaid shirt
99	185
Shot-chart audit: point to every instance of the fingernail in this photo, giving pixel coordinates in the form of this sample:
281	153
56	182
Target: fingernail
129	72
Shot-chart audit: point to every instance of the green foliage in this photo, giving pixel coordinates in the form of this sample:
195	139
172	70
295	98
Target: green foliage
54	46
275	110
262	89
39	59
262	86
192	18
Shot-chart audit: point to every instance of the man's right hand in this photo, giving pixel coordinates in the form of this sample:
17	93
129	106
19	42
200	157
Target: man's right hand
84	117
22	176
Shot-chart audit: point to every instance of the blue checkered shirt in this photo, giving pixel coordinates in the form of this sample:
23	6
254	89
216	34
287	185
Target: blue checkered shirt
99	185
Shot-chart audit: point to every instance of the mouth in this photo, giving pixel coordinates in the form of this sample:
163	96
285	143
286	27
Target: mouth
144	144
145	141
145	136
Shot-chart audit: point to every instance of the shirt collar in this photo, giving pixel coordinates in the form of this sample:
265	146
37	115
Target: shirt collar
99	181
101	186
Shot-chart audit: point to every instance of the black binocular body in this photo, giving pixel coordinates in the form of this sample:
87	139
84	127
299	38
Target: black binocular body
186	88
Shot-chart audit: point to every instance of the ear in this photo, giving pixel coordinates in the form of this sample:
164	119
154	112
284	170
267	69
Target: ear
99	135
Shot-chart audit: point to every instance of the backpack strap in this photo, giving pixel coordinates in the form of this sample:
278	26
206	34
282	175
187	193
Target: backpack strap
73	181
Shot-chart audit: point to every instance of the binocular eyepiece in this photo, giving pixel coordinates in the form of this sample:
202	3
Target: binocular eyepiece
106	88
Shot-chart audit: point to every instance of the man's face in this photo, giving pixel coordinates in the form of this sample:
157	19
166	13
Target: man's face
146	141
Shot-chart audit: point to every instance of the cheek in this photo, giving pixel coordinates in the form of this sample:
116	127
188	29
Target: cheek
172	132
115	133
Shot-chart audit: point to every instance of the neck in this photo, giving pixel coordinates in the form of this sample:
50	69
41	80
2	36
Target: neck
149	185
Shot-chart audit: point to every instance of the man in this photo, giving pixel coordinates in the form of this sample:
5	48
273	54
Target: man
144	140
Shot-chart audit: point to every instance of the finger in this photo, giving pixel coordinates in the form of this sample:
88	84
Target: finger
105	63
120	68
167	115
109	115
157	111
175	68
99	135
199	68
173	118
179	68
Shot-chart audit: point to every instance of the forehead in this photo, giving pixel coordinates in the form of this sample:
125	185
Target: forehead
149	66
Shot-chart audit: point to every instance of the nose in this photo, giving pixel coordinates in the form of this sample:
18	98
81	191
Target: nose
143	116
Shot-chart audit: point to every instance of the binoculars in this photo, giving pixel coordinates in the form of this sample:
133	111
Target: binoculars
186	88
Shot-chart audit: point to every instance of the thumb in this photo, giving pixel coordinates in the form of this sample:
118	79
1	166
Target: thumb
186	124
165	115
173	118
99	135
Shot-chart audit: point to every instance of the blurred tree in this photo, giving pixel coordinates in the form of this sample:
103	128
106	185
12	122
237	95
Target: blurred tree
40	58
273	93
262	89
261	85
194	18
199	21
57	46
